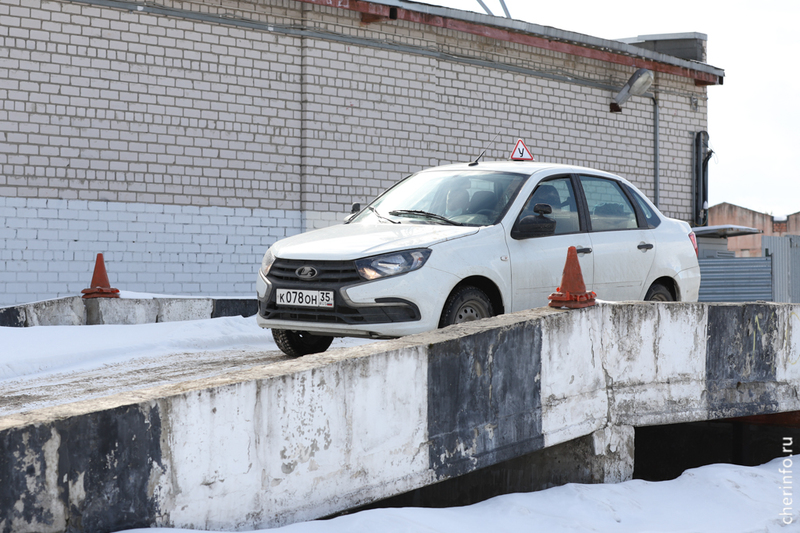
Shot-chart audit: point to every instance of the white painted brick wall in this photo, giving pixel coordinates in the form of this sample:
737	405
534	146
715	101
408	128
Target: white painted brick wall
48	247
158	118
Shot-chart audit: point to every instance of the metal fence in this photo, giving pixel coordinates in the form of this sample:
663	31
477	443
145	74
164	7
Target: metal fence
785	254
736	280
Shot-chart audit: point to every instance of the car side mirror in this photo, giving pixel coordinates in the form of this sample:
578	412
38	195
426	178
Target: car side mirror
354	210
530	227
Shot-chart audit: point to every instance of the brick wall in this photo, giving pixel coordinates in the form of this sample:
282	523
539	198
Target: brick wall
48	247
184	111
750	245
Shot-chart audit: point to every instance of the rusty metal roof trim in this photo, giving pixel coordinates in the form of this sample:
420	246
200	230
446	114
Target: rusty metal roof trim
526	33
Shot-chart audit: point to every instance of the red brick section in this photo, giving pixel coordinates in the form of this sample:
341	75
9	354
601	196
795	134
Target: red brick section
375	12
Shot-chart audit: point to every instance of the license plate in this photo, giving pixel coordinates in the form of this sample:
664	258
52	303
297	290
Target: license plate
303	298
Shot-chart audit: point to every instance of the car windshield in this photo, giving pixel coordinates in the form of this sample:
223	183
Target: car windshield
456	197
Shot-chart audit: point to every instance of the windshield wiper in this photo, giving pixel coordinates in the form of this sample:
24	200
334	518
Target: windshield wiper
416	212
381	217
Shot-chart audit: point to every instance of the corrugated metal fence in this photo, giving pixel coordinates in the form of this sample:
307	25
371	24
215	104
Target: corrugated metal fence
785	253
775	277
736	280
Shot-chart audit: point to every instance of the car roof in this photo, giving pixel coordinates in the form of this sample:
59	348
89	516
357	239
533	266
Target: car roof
522	167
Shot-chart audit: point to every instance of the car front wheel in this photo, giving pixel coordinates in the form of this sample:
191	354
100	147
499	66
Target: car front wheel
658	293
465	305
299	343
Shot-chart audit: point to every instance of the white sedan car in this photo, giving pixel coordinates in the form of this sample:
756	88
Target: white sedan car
467	241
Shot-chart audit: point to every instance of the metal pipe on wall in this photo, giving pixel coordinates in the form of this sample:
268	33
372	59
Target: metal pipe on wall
700	182
656	154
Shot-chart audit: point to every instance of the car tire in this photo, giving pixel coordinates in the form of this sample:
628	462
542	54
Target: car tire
658	293
465	305
300	343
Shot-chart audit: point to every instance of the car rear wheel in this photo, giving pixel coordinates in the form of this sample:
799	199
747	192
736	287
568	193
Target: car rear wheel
299	343
465	305
658	293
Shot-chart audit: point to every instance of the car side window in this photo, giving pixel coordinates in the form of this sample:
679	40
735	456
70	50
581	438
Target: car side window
559	195
609	207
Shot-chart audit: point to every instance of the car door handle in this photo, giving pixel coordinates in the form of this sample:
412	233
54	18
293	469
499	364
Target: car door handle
645	246
583	250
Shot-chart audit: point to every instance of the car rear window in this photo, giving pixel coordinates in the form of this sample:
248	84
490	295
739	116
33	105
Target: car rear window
649	215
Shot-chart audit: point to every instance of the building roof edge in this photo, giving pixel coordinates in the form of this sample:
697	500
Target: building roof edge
549	32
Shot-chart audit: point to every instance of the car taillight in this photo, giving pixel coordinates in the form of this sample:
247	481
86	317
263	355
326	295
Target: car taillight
693	238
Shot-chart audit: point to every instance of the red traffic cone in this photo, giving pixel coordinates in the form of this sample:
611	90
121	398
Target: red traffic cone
100	288
572	292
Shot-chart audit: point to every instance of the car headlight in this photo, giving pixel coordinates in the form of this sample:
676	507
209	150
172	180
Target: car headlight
266	262
392	264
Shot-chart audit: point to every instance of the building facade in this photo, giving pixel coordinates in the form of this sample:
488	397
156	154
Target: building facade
770	226
182	139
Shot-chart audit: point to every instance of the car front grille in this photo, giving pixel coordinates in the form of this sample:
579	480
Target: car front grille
397	311
336	272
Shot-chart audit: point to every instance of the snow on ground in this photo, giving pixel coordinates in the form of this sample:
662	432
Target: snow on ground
47	349
712	499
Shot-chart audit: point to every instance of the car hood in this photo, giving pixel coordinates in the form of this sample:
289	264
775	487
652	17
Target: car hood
353	241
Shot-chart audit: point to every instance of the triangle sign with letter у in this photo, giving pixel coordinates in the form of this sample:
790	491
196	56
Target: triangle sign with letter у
521	152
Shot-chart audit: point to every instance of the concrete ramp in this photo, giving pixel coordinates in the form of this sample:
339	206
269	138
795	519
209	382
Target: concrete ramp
302	439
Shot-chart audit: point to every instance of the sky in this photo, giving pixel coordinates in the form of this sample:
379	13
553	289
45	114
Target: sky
712	499
754	117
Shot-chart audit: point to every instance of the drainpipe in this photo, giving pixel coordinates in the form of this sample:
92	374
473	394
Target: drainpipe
655	152
304	96
702	153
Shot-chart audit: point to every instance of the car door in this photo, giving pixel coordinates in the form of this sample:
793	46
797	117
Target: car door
537	263
622	244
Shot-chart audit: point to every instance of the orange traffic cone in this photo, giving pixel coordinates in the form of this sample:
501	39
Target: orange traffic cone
100	288
572	292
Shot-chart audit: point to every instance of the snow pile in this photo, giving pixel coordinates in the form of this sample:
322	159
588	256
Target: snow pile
713	499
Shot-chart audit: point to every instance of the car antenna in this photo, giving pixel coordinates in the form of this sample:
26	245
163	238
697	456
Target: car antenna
484	150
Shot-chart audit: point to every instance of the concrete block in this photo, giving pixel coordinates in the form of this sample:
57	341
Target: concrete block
97	469
450	401
613	453
234	307
12	317
120	311
743	344
574	398
68	311
177	309
482	421
788	356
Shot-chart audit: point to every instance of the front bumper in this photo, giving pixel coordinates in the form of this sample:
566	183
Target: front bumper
386	308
